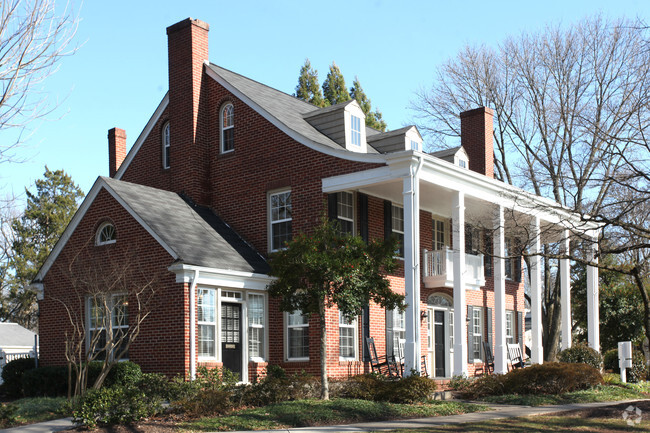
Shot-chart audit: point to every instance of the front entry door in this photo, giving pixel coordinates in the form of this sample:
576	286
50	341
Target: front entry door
231	338
440	332
439	352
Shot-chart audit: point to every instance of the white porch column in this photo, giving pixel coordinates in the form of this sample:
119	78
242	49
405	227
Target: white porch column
193	325
500	357
460	307
593	316
412	347
537	350
565	292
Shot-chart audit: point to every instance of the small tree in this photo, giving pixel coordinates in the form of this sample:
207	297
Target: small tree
334	89
373	118
308	88
326	269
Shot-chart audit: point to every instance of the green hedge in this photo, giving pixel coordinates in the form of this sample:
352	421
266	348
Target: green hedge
50	381
12	375
581	353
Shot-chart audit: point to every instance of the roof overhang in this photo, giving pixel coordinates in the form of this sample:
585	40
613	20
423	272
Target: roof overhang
220	277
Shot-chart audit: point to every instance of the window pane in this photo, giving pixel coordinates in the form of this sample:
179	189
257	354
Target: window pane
299	342
256	342
206	340
256	310
297	318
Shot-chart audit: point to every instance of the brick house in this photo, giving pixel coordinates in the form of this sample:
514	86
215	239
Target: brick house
224	172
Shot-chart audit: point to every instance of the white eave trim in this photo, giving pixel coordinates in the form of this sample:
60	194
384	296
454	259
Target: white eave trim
142	137
78	216
343	154
220	277
445	174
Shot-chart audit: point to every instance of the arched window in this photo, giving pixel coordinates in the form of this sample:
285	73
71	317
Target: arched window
165	145
227	117
105	234
439	300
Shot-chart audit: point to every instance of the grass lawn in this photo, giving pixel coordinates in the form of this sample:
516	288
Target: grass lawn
32	410
315	412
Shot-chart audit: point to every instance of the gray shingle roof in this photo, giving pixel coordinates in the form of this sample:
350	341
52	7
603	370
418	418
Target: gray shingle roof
285	108
194	233
14	335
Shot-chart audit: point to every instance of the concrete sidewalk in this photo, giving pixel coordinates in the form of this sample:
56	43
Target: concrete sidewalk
499	411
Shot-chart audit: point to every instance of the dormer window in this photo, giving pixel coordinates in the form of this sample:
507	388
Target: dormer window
165	146
462	163
105	234
355	130
227	128
415	145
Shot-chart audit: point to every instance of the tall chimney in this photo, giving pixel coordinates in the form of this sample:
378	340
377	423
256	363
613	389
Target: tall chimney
476	137
116	149
187	44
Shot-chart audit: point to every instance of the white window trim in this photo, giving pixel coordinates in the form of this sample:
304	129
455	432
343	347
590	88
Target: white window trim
263	326
222	128
345	218
478	310
355	134
394	230
270	216
215	324
396	315
98	234
445	232
166	145
354	325
510	314
286	339
110	306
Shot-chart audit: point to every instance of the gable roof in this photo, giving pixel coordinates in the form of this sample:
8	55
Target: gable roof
191	234
14	335
286	112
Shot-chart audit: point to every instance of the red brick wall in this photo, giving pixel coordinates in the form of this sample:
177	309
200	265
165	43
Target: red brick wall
162	343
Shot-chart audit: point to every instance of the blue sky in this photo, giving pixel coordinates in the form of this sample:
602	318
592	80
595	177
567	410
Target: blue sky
118	75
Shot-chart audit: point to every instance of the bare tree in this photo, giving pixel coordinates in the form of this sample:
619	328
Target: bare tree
34	36
571	106
110	298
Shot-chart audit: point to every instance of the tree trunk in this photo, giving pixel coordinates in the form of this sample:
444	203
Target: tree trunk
325	389
646	300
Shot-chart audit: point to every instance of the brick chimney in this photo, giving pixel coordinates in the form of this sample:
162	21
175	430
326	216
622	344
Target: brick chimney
476	137
187	44
116	149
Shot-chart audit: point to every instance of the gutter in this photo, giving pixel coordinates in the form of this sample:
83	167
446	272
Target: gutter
193	324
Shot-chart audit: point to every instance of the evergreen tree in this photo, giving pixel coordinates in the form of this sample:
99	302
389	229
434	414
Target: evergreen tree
334	89
373	118
35	233
308	88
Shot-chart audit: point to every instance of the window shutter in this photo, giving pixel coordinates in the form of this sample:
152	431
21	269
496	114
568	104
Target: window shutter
470	334
389	332
363	217
520	331
468	239
488	329
365	320
488	258
332	206
388	219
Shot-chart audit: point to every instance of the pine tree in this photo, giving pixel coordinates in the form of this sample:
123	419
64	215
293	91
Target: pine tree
373	118
308	88
35	233
334	89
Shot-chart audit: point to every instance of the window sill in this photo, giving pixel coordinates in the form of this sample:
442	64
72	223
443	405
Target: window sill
257	360
297	359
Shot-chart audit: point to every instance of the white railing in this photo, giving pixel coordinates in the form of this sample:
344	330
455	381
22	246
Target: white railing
438	269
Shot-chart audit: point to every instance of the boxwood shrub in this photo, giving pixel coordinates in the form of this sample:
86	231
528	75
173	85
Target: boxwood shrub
50	381
581	353
12	375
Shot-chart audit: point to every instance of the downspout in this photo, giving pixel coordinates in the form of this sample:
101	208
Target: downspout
193	324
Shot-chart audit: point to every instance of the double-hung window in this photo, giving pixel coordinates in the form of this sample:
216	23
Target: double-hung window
398	229
280	216
256	307
227	116
347	338
477	332
439	234
510	327
345	212
399	330
297	336
355	130
108	325
166	142
207	321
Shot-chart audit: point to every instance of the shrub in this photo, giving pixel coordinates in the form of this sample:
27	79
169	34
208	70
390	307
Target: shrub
639	371
552	378
209	402
7	414
459	383
493	384
156	385
610	361
50	381
12	375
113	405
124	373
211	393
411	389
363	387
581	353
276	386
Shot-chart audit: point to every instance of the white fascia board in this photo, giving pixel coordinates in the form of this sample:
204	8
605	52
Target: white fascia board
343	154
78	216
142	137
221	277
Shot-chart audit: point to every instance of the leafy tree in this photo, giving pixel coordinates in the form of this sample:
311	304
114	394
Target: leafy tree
325	269
334	89
373	118
621	315
308	88
35	233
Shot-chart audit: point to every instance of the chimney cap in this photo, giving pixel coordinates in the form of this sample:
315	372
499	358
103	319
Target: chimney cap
479	110
186	23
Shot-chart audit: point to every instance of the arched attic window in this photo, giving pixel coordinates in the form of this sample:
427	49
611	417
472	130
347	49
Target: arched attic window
166	144
105	234
227	120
